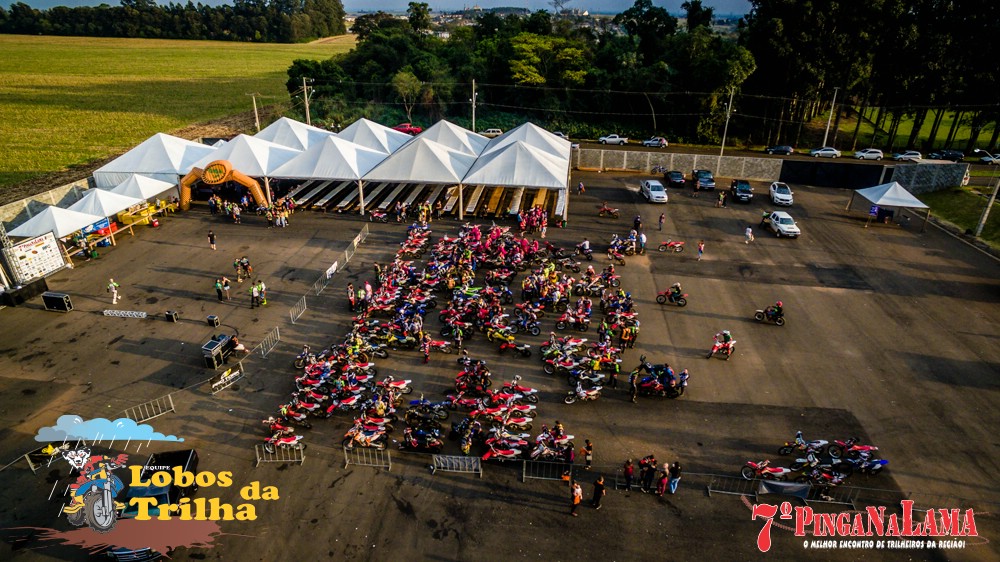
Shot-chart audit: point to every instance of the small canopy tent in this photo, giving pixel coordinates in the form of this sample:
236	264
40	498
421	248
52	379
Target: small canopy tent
293	134
142	187
455	137
374	136
160	156
61	222
103	203
890	195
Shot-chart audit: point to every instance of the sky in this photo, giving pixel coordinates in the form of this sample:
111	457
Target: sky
722	7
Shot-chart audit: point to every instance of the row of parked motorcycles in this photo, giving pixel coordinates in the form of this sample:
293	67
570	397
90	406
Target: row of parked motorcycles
819	462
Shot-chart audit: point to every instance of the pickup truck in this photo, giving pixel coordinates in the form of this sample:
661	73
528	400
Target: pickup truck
781	223
613	139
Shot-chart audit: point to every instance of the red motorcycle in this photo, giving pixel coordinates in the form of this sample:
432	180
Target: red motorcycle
668	297
724	347
671	246
850	448
763	469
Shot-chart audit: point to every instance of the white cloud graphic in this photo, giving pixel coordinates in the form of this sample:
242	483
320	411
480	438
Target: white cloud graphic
74	427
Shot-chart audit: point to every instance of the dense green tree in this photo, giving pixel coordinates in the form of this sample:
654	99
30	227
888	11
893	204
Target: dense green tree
418	14
651	25
697	15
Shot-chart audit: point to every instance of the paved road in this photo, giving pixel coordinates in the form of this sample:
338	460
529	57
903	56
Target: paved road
891	336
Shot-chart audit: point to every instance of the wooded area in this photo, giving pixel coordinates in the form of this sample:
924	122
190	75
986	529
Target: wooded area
643	73
262	21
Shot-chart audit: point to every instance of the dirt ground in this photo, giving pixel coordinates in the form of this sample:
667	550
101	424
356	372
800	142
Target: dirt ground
891	336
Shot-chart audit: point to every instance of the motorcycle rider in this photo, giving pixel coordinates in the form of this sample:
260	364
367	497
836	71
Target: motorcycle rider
777	311
584	246
675	292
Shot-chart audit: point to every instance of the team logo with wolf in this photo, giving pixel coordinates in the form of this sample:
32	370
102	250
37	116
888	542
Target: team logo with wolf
93	494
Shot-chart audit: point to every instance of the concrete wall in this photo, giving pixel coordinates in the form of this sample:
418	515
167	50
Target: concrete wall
14	214
760	169
929	177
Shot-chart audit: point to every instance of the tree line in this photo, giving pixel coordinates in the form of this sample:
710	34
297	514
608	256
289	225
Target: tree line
643	73
264	21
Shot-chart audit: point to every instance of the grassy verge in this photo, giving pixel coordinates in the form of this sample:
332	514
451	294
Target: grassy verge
963	207
69	100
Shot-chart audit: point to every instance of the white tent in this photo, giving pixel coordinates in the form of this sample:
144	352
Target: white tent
455	138
374	136
249	155
332	158
535	136
103	203
519	164
61	222
423	161
890	195
142	187
160	156
293	134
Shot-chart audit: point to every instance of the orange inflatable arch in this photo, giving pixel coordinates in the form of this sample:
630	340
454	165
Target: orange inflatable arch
216	173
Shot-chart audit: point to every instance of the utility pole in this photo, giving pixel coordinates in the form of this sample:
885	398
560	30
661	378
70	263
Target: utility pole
305	97
830	118
986	211
256	116
725	130
473	100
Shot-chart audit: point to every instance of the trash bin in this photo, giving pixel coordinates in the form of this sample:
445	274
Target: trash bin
213	320
171	316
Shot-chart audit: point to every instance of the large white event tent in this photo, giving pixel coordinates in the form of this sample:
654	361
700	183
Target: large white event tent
518	164
251	156
59	221
293	134
161	156
142	187
455	138
103	203
534	136
372	135
331	159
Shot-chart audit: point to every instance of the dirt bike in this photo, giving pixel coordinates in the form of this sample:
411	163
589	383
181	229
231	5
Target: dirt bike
672	246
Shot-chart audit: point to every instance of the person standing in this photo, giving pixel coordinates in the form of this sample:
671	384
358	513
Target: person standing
218	289
226	286
628	471
425	347
675	476
663	218
577	497
748	235
633	388
637	223
599	492
239	270
211	239
588	454
642	243
262	288
362	302
701	249
352	296
113	289
580	190
661	483
254	296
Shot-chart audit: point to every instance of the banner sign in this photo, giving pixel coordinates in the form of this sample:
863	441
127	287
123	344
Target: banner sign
35	258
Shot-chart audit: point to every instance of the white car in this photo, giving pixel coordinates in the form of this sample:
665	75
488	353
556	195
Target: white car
908	156
782	224
653	191
781	194
492	133
825	152
869	154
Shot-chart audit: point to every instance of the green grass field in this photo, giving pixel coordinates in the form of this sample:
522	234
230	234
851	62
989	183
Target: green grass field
963	207
867	130
69	100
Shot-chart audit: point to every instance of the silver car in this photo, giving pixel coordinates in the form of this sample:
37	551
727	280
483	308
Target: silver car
869	154
908	156
825	152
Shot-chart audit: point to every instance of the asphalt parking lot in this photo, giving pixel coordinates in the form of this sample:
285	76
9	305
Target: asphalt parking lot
891	336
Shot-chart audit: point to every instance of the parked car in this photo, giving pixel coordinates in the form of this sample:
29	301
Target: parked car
908	156
782	149
675	178
953	155
658	142
492	133
741	190
613	139
825	152
561	135
703	180
986	157
653	191
869	154
781	223
781	194
408	128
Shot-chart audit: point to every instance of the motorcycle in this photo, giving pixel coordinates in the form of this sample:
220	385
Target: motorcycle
801	445
524	349
605	211
672	246
767	314
526	326
615	255
444	346
725	348
502	454
864	465
668	297
379	216
278	441
588	254
582	395
365	436
763	469
578	322
528	394
94	501
440	410
850	447
421	441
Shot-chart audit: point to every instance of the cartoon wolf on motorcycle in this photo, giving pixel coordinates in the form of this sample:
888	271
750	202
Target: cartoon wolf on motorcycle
93	494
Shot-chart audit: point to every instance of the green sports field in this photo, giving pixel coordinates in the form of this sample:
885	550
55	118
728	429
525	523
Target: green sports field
69	100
